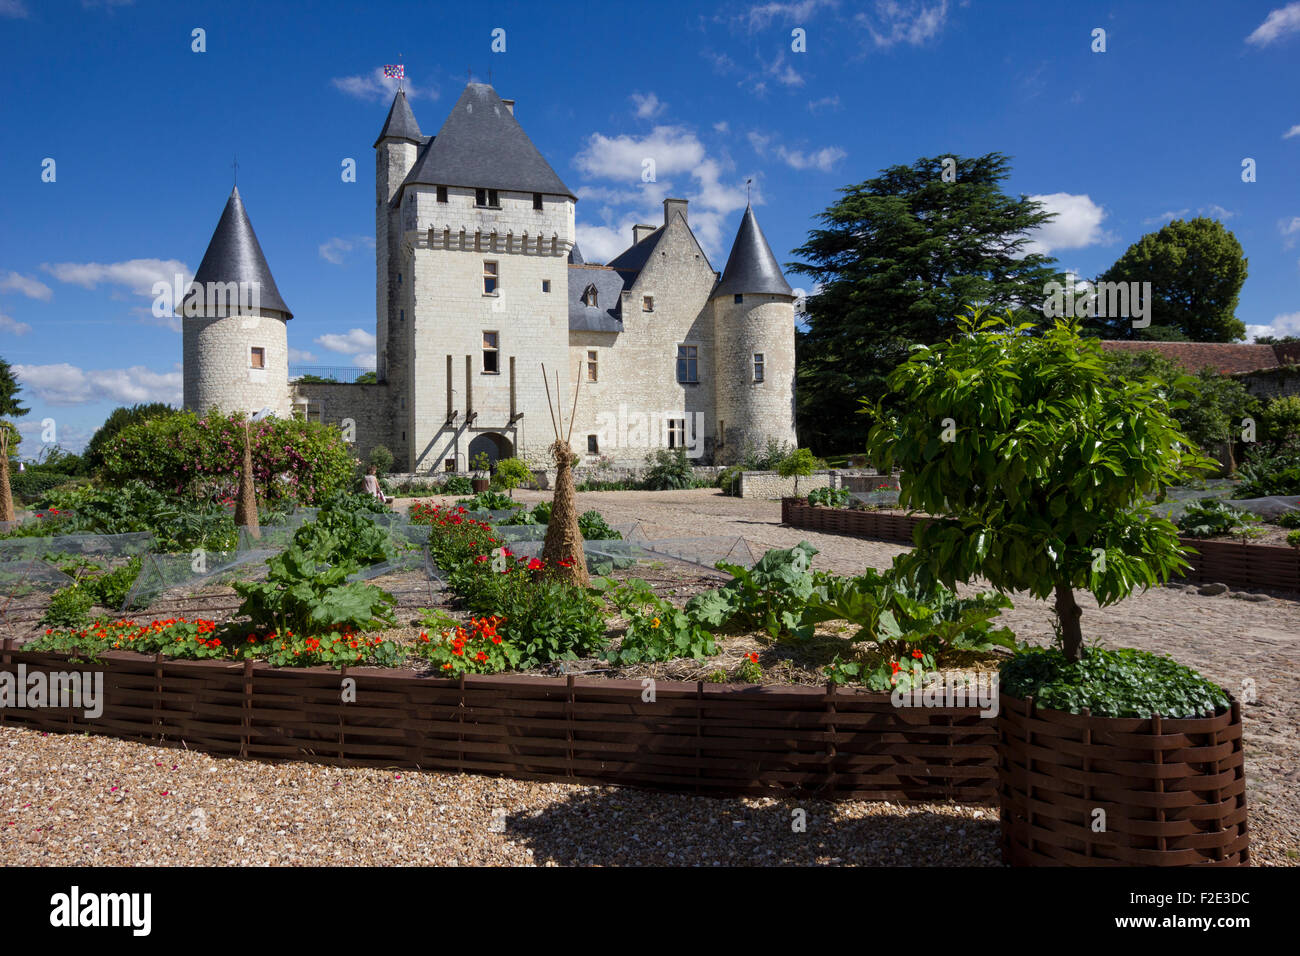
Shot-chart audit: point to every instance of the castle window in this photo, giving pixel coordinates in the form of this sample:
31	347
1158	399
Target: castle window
647	303
487	198
442	194
722	432
399	278
758	366
537	201
688	364
593	446
676	433
738	298
257	357
546	285
591	365
589	296
449	464
491	354
489	278
401	315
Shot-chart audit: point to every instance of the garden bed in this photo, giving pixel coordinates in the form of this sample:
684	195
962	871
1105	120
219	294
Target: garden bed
699	738
1259	566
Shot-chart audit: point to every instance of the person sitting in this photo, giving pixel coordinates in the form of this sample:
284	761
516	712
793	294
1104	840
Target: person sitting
372	485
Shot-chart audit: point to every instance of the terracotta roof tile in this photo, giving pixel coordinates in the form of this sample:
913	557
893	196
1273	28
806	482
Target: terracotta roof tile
1227	358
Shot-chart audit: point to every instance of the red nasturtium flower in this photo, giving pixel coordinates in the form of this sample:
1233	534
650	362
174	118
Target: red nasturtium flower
752	657
917	654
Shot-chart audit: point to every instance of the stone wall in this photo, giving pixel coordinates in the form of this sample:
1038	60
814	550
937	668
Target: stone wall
768	484
1272	383
216	355
752	411
366	406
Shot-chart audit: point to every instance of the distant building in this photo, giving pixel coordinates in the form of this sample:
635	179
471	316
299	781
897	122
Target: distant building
479	281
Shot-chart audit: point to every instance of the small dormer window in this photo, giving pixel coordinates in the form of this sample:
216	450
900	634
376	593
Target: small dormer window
589	297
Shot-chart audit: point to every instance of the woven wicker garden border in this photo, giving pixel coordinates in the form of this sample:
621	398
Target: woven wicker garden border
1173	791
1238	565
694	737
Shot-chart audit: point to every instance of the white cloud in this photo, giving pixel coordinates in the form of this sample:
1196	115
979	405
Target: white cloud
1293	131
1077	224
1276	25
365	360
826	102
820	159
11	325
1282	325
135	275
760	16
335	250
29	286
375	86
648	106
784	73
1217	211
721	127
1166	217
904	21
300	355
673	149
353	340
64	384
13	8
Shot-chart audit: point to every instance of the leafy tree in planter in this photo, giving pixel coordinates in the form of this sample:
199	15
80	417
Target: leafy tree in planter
511	473
800	463
1039	464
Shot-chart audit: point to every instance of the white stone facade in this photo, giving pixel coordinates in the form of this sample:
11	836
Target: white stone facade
219	366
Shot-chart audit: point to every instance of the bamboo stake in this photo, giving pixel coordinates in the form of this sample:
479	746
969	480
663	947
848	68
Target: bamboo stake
549	407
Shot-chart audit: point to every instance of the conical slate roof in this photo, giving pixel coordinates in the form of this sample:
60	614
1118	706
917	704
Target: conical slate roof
751	267
401	122
482	146
234	255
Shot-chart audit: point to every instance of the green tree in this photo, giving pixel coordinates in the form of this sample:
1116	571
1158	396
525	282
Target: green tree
367	378
897	256
510	474
799	463
10	406
1196	269
118	419
1038	465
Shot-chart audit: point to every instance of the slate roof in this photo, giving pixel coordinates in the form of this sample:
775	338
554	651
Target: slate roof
1226	358
481	145
401	122
751	267
575	256
234	255
604	316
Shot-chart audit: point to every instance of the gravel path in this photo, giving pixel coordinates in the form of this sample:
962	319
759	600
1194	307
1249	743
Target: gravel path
77	800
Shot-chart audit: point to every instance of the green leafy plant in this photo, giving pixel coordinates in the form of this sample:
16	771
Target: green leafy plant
457	485
729	480
749	671
473	648
593	527
657	629
481	463
1293	538
667	470
1288	519
489	501
1111	683
830	497
772	596
542	512
381	458
1210	517
1271	468
1036	463
69	607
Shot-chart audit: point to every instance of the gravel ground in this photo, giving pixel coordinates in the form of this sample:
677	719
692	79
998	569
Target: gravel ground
76	800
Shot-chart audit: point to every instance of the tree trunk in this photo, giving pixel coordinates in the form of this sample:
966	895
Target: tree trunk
6	495
246	504
1068	613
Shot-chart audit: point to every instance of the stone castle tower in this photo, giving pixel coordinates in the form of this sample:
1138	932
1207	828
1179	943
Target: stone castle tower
234	324
479	283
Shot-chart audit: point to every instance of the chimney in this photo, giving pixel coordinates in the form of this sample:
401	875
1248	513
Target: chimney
639	232
673	206
510	105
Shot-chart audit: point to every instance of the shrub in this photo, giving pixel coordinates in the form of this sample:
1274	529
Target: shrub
293	460
1271	469
772	596
729	480
542	512
457	485
1119	683
382	459
1288	519
69	607
799	463
668	470
1280	420
489	501
1293	538
33	484
117	420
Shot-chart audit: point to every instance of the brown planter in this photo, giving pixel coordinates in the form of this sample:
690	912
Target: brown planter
480	484
1173	791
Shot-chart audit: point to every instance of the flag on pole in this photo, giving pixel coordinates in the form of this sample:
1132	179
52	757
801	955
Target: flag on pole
397	72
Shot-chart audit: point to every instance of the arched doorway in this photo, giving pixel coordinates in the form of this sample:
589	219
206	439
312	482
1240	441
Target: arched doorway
496	446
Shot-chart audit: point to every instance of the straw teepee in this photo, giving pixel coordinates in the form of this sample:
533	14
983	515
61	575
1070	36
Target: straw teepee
6	495
246	503
562	551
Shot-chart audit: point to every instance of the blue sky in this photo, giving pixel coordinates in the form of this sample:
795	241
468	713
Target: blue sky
143	132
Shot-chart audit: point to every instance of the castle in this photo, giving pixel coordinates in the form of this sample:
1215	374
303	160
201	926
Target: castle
479	282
